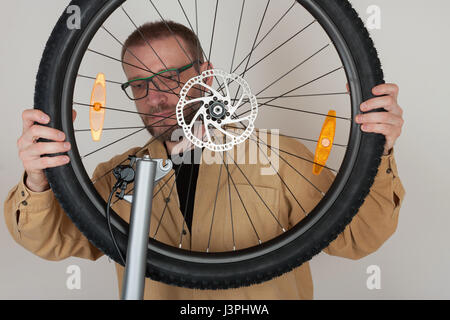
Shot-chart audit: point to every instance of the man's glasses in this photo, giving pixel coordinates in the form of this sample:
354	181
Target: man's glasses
165	81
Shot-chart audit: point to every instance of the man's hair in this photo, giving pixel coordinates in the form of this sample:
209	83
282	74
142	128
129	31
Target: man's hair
160	30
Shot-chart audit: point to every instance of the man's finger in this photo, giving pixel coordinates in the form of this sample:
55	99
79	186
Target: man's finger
387	88
387	102
41	148
379	117
36	131
31	116
46	162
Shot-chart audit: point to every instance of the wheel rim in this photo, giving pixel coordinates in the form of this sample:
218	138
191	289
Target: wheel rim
244	254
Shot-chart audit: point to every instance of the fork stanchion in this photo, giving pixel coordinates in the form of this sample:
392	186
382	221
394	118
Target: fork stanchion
134	279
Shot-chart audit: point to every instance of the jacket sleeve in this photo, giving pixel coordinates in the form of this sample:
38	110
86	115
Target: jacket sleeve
38	223
377	218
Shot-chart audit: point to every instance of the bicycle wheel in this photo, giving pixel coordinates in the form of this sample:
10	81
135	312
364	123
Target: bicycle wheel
325	40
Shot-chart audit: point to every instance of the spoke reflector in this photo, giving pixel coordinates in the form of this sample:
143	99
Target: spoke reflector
325	142
97	109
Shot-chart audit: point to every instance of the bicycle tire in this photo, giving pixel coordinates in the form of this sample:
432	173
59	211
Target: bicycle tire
88	217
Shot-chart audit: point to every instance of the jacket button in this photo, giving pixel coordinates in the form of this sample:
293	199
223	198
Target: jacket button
23	194
24	203
389	170
184	232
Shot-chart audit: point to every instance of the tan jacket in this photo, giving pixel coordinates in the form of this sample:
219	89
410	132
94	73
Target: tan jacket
37	222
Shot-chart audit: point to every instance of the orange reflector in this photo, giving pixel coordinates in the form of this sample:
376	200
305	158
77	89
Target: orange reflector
97	109
325	142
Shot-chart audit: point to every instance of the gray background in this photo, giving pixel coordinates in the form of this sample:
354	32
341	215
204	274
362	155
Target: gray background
414	49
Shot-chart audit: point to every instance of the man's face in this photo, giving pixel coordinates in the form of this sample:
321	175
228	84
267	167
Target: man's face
159	103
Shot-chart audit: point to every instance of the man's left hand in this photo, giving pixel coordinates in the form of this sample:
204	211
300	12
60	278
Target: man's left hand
388	123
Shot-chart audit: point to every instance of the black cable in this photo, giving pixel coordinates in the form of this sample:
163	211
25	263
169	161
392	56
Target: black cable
108	218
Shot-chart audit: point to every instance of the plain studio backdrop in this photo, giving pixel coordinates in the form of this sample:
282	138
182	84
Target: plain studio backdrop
413	263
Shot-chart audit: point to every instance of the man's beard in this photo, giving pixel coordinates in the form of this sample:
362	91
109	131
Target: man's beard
167	130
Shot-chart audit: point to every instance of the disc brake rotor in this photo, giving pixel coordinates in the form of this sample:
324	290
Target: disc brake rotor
217	111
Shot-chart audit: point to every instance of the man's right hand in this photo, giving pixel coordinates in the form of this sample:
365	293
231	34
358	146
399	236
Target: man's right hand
30	151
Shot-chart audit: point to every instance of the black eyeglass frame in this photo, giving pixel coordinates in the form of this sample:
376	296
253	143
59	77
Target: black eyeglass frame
126	85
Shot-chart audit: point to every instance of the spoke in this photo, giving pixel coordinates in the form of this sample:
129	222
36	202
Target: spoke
226	132
296	67
196	33
300	96
253	46
296	88
274	50
93	78
271	148
119	128
110	144
192	28
231	209
265	36
294	155
196	17
240	198
308	95
127	49
143	37
132	189
278	47
150	89
132	65
170	193
186	205
171	32
259	140
214	209
151	47
213	31
237	35
312	184
126	111
256	38
293	137
304	111
302	158
115	59
282	180
229	121
257	193
143	147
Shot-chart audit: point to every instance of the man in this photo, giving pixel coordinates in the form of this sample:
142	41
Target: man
37	222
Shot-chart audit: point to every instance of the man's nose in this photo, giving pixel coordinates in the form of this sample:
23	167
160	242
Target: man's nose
155	96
